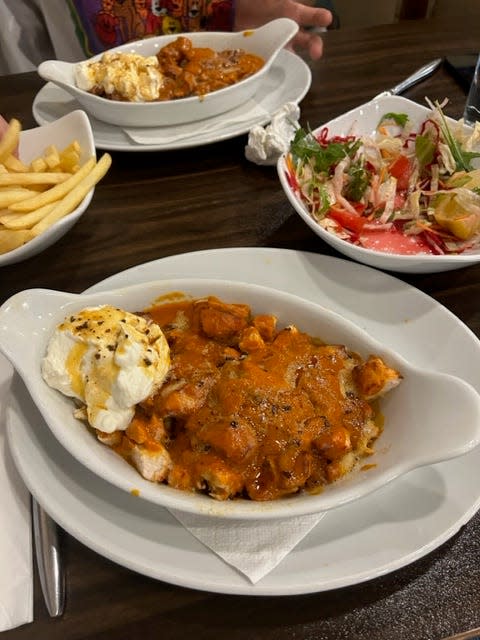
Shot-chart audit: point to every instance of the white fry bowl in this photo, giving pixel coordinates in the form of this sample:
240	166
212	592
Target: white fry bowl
33	142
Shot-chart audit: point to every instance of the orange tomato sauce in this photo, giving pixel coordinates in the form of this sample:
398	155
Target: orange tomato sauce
249	410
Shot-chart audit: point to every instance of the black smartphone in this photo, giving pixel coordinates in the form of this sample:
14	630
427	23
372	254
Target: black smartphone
462	68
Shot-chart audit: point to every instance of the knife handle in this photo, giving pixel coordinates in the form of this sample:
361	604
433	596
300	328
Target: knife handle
418	75
47	552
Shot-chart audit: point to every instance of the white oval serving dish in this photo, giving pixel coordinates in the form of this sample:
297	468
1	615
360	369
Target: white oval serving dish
429	417
266	41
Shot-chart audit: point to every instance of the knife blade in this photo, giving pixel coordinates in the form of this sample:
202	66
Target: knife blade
418	75
472	634
49	560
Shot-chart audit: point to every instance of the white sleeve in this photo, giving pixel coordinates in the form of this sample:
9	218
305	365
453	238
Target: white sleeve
61	30
23	38
33	31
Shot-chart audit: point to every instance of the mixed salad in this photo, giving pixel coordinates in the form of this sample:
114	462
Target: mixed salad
407	189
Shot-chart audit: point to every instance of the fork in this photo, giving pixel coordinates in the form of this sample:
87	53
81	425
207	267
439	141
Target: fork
49	560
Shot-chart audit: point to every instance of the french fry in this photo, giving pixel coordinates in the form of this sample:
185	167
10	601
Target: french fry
38	165
15	194
54	193
10	240
25	220
23	179
73	146
12	163
74	197
52	157
69	161
9	141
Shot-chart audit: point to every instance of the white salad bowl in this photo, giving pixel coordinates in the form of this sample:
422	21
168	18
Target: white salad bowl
265	42
363	121
429	417
33	142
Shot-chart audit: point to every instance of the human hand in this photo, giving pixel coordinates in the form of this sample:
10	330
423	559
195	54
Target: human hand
254	13
3	129
3	126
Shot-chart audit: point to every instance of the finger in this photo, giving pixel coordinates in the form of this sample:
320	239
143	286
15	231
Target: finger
310	42
3	126
309	16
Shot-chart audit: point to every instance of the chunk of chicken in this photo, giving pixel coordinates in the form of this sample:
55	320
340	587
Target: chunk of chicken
152	464
374	378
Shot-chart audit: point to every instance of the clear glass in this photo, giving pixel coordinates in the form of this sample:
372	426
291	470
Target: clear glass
472	106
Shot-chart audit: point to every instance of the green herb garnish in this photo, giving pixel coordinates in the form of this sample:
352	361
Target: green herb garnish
325	156
399	118
462	158
358	182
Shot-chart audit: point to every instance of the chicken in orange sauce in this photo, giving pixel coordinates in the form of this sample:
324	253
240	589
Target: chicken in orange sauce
250	410
189	71
178	70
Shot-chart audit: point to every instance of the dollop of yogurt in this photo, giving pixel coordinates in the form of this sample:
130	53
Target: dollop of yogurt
109	360
128	76
266	144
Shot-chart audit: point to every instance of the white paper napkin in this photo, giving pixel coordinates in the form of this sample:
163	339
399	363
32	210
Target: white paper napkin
252	547
249	113
16	575
266	144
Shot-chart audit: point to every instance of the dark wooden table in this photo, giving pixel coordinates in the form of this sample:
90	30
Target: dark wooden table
154	205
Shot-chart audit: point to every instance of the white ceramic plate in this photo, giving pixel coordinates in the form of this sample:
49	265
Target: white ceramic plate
379	534
33	142
363	121
410	416
288	80
266	42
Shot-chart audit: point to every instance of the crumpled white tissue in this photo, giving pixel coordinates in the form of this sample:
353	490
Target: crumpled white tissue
16	576
253	547
266	144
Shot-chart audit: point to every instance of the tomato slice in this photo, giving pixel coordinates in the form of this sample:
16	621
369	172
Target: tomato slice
347	219
401	169
393	241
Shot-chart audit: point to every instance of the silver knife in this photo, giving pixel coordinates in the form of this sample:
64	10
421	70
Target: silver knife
417	76
49	560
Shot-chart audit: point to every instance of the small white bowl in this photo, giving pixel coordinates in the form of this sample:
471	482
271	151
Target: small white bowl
265	41
429	417
363	121
33	142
